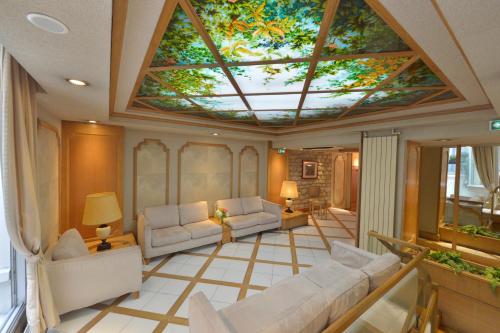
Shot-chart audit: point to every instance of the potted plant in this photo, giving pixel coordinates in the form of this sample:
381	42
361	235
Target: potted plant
476	237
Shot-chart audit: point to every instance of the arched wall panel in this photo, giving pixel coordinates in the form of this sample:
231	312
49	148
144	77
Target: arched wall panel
248	179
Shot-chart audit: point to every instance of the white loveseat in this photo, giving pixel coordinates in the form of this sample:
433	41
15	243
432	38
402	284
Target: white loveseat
172	228
250	215
307	302
89	279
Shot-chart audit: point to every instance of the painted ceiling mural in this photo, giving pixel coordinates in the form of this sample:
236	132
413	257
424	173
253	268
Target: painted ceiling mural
281	63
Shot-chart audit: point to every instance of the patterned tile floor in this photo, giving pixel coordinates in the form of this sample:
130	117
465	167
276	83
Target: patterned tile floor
225	274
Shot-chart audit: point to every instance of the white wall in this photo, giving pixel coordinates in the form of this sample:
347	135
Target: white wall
174	142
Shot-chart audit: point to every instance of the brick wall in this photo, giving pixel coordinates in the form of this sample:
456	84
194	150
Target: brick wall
324	180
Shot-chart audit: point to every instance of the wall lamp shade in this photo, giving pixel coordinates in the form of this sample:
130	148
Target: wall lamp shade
289	189
101	209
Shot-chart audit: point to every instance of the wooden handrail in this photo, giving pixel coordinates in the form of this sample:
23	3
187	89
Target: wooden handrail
429	311
355	312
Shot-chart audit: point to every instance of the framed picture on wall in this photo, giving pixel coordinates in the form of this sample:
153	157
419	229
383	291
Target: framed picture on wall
309	169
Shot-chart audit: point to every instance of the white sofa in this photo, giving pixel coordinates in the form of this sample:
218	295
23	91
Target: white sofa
307	302
250	215
89	279
173	228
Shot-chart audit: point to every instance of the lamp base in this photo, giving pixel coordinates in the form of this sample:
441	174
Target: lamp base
104	246
288	205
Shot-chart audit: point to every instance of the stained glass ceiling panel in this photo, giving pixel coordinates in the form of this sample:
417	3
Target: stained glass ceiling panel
443	97
150	87
170	104
320	114
181	44
198	81
416	75
275	115
259	29
229	103
274	102
233	115
270	78
353	73
332	100
396	97
357	29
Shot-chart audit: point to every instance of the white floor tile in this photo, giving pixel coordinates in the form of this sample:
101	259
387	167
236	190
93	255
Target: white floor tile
170	268
236	276
111	323
251	292
160	303
335	232
261	279
207	249
189	270
174	328
207	289
214	273
262	268
278	278
138	303
307	230
174	286
226	294
73	321
152	264
153	284
140	325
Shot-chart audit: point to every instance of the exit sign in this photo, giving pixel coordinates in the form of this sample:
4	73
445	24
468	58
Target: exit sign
495	125
281	151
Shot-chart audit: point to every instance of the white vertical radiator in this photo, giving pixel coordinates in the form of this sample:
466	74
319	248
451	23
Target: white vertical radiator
378	189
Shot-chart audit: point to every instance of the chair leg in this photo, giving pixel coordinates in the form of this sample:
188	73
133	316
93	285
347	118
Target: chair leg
146	261
219	243
136	294
233	239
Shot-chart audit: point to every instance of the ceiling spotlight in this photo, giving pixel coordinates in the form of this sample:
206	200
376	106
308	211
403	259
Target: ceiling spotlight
215	134
47	23
77	82
92	121
444	140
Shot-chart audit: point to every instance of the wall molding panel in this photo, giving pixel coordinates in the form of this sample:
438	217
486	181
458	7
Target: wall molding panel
205	172
248	173
151	175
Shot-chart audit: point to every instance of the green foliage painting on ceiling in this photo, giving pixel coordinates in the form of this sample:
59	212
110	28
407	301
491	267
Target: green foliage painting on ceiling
181	44
150	87
320	114
357	29
233	115
416	75
396	97
247	30
449	95
198	81
170	104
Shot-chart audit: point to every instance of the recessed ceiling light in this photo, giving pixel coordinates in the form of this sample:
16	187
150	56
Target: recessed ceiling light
215	134
92	121
77	82
47	23
444	140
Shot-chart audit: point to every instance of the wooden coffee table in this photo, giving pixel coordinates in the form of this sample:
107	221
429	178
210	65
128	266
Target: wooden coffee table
293	220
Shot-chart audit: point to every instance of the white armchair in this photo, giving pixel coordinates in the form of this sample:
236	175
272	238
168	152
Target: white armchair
83	281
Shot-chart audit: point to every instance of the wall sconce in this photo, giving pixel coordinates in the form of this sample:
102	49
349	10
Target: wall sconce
355	161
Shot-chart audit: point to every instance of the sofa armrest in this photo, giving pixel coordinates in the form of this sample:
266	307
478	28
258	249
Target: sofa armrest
143	234
272	208
351	256
83	281
203	318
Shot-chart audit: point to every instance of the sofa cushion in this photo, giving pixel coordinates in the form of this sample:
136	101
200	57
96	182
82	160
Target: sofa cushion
342	286
381	268
162	216
203	229
351	256
241	221
193	212
252	205
264	217
70	245
233	206
168	236
292	305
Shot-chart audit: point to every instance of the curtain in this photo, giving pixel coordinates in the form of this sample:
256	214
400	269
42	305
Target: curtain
18	170
484	157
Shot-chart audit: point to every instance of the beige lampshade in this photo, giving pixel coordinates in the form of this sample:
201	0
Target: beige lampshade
101	208
289	189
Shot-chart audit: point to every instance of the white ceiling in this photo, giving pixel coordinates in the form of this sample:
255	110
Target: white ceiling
84	53
476	26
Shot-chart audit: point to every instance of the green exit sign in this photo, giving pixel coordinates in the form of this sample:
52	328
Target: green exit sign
495	125
281	151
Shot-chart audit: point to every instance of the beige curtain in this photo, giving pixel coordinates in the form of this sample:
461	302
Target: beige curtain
484	157
18	133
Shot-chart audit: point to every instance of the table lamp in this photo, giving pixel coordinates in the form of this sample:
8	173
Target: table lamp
101	209
289	191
